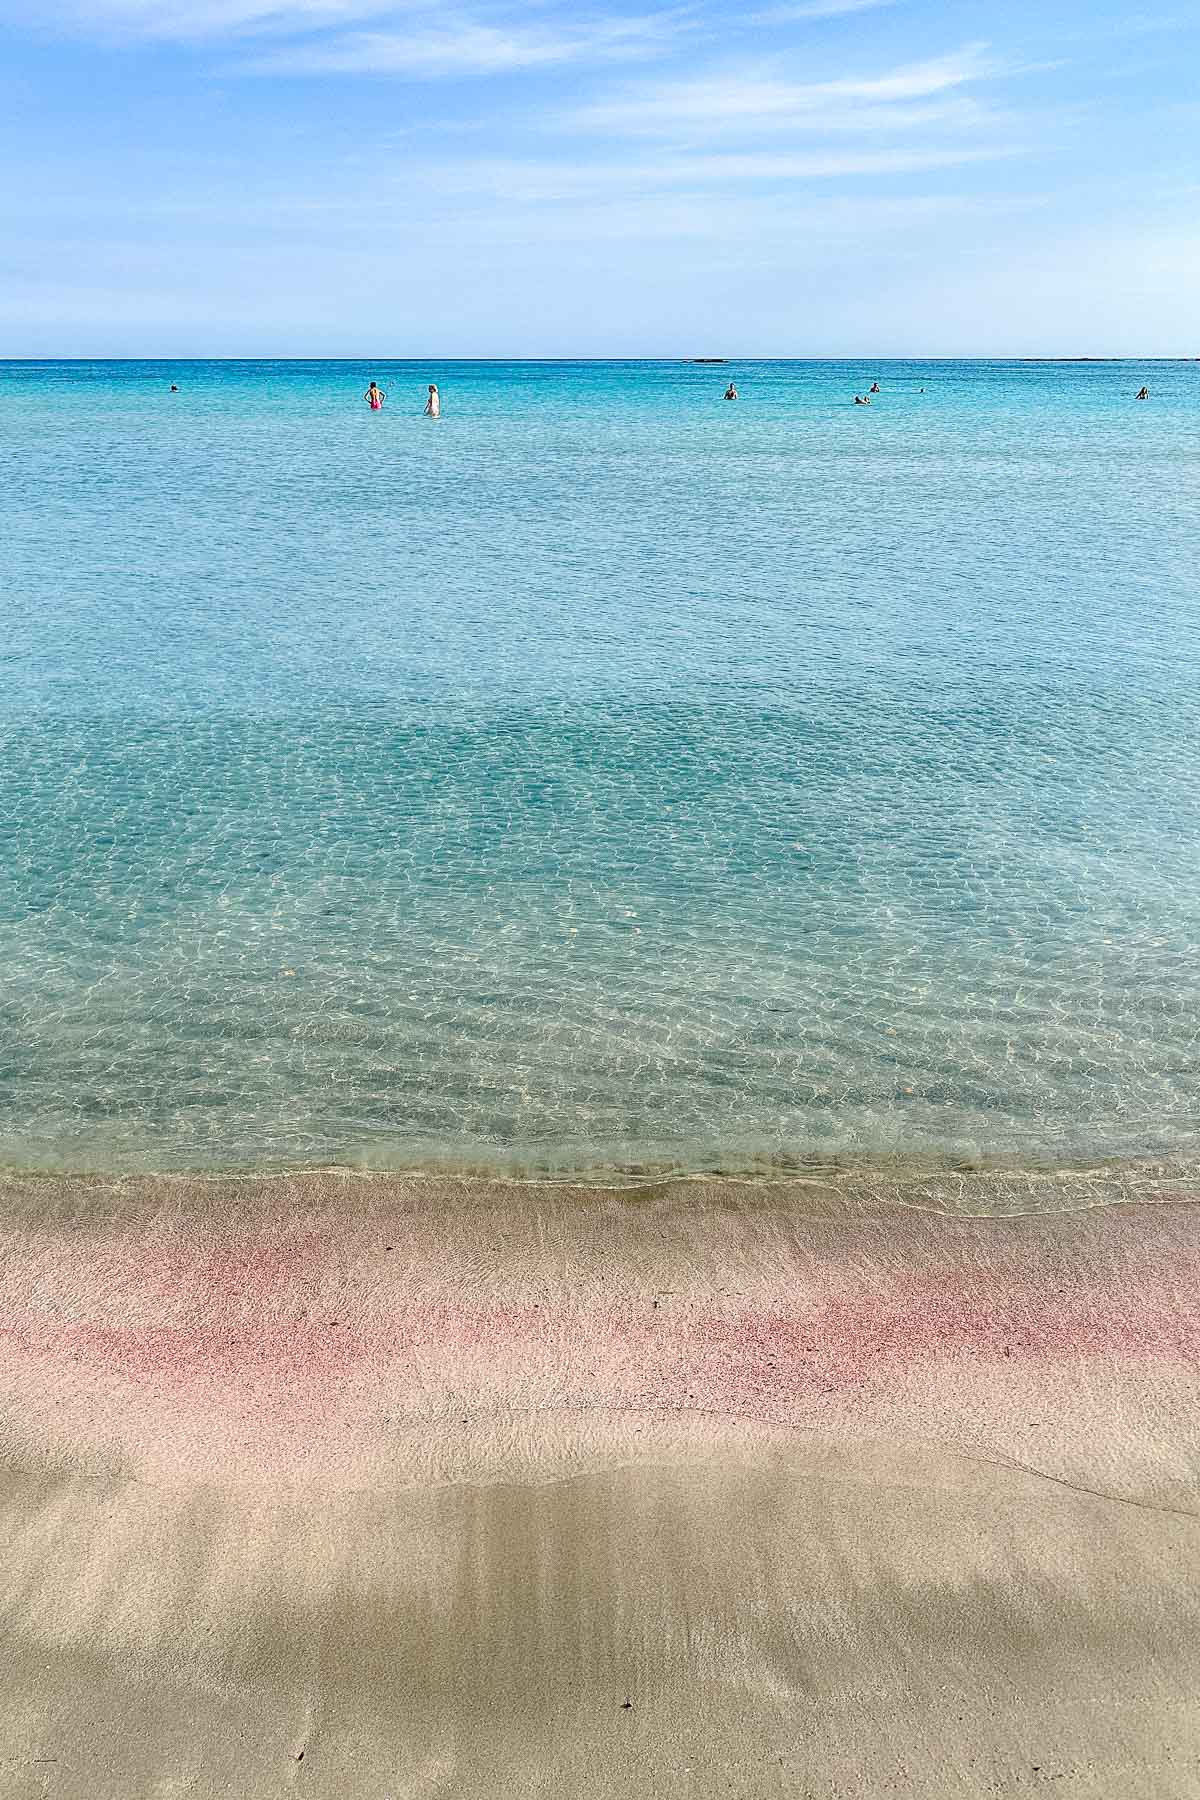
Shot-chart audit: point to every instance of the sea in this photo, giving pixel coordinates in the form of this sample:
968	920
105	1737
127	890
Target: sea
604	777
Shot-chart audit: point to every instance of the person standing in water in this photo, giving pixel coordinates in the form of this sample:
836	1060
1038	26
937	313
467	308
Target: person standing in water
375	396
731	392
433	406
1142	394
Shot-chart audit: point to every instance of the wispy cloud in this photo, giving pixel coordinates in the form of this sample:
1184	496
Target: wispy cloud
537	182
186	21
816	9
424	37
463	46
757	99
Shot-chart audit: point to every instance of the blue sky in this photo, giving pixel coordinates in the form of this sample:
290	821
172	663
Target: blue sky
358	177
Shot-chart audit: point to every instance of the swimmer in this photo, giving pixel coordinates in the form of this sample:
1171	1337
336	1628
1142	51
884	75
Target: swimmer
374	396
1143	394
433	406
174	387
874	388
731	392
862	399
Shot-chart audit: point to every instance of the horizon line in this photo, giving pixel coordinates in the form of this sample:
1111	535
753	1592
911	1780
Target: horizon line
548	361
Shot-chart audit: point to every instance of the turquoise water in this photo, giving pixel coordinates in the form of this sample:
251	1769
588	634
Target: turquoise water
602	774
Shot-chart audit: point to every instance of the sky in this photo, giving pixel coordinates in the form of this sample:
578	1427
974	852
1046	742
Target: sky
503	178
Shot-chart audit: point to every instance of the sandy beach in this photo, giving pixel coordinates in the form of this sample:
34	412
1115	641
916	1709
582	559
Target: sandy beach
339	1485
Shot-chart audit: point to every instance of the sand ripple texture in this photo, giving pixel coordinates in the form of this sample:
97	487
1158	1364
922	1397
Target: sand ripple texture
391	1490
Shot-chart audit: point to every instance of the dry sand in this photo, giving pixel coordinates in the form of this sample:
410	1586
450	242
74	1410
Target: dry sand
342	1486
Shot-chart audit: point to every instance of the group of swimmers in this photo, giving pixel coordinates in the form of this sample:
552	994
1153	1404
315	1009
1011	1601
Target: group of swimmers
865	399
375	398
731	393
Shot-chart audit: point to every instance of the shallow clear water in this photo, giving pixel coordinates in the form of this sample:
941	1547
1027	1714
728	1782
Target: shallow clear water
601	774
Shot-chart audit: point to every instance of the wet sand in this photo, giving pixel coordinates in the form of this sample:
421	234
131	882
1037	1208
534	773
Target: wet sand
383	1487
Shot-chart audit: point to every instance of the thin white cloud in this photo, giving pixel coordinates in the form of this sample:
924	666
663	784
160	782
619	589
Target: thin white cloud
184	21
419	36
816	9
737	116
757	99
914	80
464	46
535	183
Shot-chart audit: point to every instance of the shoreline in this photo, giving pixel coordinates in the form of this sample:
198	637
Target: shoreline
961	1185
950	1187
701	1487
